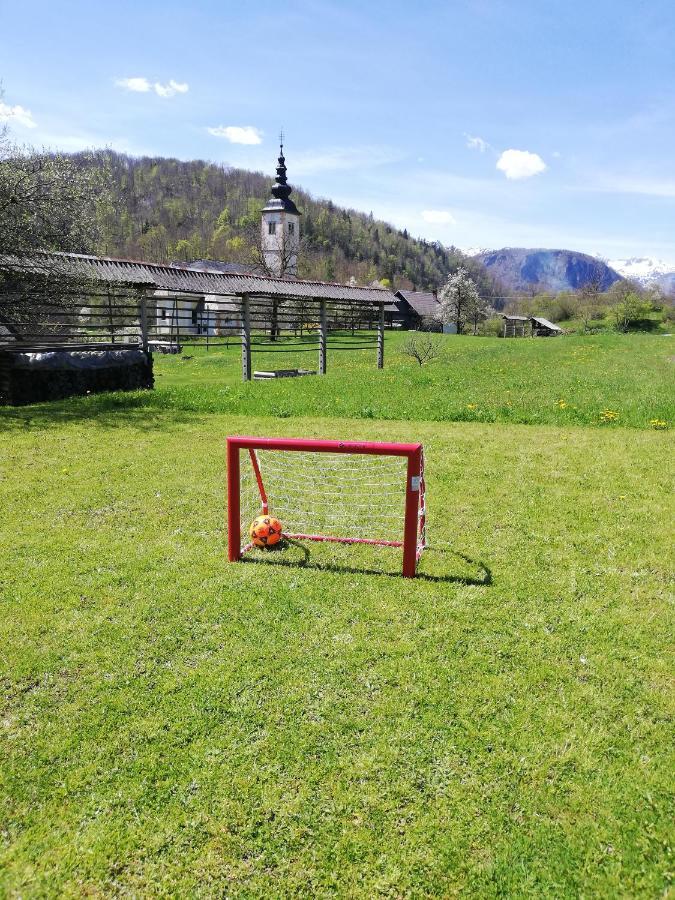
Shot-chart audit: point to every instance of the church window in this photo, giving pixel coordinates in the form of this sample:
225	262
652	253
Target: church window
271	227
291	227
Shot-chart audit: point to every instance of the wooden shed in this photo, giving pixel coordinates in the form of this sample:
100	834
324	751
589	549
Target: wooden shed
516	326
543	328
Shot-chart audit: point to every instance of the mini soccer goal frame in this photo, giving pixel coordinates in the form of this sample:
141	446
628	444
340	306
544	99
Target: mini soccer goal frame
348	492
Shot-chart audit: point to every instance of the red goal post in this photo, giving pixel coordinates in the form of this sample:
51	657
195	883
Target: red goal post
349	492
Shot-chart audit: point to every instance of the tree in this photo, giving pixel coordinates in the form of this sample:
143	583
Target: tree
590	299
460	301
48	202
478	313
633	308
421	349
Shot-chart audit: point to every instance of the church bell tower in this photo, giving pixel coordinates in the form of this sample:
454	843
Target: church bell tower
281	226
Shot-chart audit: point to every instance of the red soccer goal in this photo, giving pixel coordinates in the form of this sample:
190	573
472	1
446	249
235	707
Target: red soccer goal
349	492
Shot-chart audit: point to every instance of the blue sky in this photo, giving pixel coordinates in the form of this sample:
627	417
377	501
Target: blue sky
482	123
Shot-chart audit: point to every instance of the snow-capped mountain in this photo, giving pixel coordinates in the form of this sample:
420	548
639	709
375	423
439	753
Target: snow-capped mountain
564	269
646	270
521	268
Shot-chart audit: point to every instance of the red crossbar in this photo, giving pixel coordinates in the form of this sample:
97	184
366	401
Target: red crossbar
383	448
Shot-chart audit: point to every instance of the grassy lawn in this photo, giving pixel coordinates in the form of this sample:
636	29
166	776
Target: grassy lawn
571	380
174	725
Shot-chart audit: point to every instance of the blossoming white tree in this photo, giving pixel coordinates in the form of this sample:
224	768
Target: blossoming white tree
460	301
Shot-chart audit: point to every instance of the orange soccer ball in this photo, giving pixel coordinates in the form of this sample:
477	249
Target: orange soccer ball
265	531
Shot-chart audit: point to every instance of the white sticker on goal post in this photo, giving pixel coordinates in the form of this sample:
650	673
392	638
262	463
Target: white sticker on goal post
415	482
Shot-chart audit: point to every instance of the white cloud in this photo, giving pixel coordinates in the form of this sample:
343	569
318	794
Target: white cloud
173	87
439	217
516	164
139	85
144	86
473	142
238	134
17	114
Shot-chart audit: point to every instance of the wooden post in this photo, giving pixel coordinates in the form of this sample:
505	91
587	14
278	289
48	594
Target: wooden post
380	338
111	320
144	322
323	337
245	338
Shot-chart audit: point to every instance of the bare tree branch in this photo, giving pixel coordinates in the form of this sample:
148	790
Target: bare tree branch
421	349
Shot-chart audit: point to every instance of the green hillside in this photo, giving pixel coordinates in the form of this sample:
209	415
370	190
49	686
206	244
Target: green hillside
165	209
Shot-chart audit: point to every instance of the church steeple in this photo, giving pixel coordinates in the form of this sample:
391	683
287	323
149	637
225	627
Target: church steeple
280	225
281	189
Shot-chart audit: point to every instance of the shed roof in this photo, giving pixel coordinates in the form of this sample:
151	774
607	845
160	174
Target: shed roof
546	324
172	278
423	302
516	318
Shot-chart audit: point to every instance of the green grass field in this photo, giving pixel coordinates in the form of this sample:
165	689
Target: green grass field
560	381
173	725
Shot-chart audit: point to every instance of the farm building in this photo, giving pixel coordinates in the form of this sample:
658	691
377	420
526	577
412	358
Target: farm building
193	315
543	328
534	326
516	326
415	311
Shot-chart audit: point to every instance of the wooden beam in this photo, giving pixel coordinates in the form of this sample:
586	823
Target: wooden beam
144	321
245	338
380	338
323	338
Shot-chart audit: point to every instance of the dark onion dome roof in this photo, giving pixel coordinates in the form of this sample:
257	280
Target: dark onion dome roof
281	189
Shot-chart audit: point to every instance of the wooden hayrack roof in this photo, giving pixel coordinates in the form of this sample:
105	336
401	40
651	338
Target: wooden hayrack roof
128	272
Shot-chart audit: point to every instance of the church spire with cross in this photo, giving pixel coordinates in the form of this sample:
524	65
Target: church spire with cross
280	226
281	189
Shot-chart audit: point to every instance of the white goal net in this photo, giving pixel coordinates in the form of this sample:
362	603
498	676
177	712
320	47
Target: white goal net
359	497
346	497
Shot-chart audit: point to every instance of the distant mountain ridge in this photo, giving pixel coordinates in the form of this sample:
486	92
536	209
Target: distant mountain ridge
522	268
646	270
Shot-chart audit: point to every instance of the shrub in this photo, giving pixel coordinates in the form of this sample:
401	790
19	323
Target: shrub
492	327
421	348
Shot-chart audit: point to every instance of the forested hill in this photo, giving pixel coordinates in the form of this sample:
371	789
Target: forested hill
165	209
